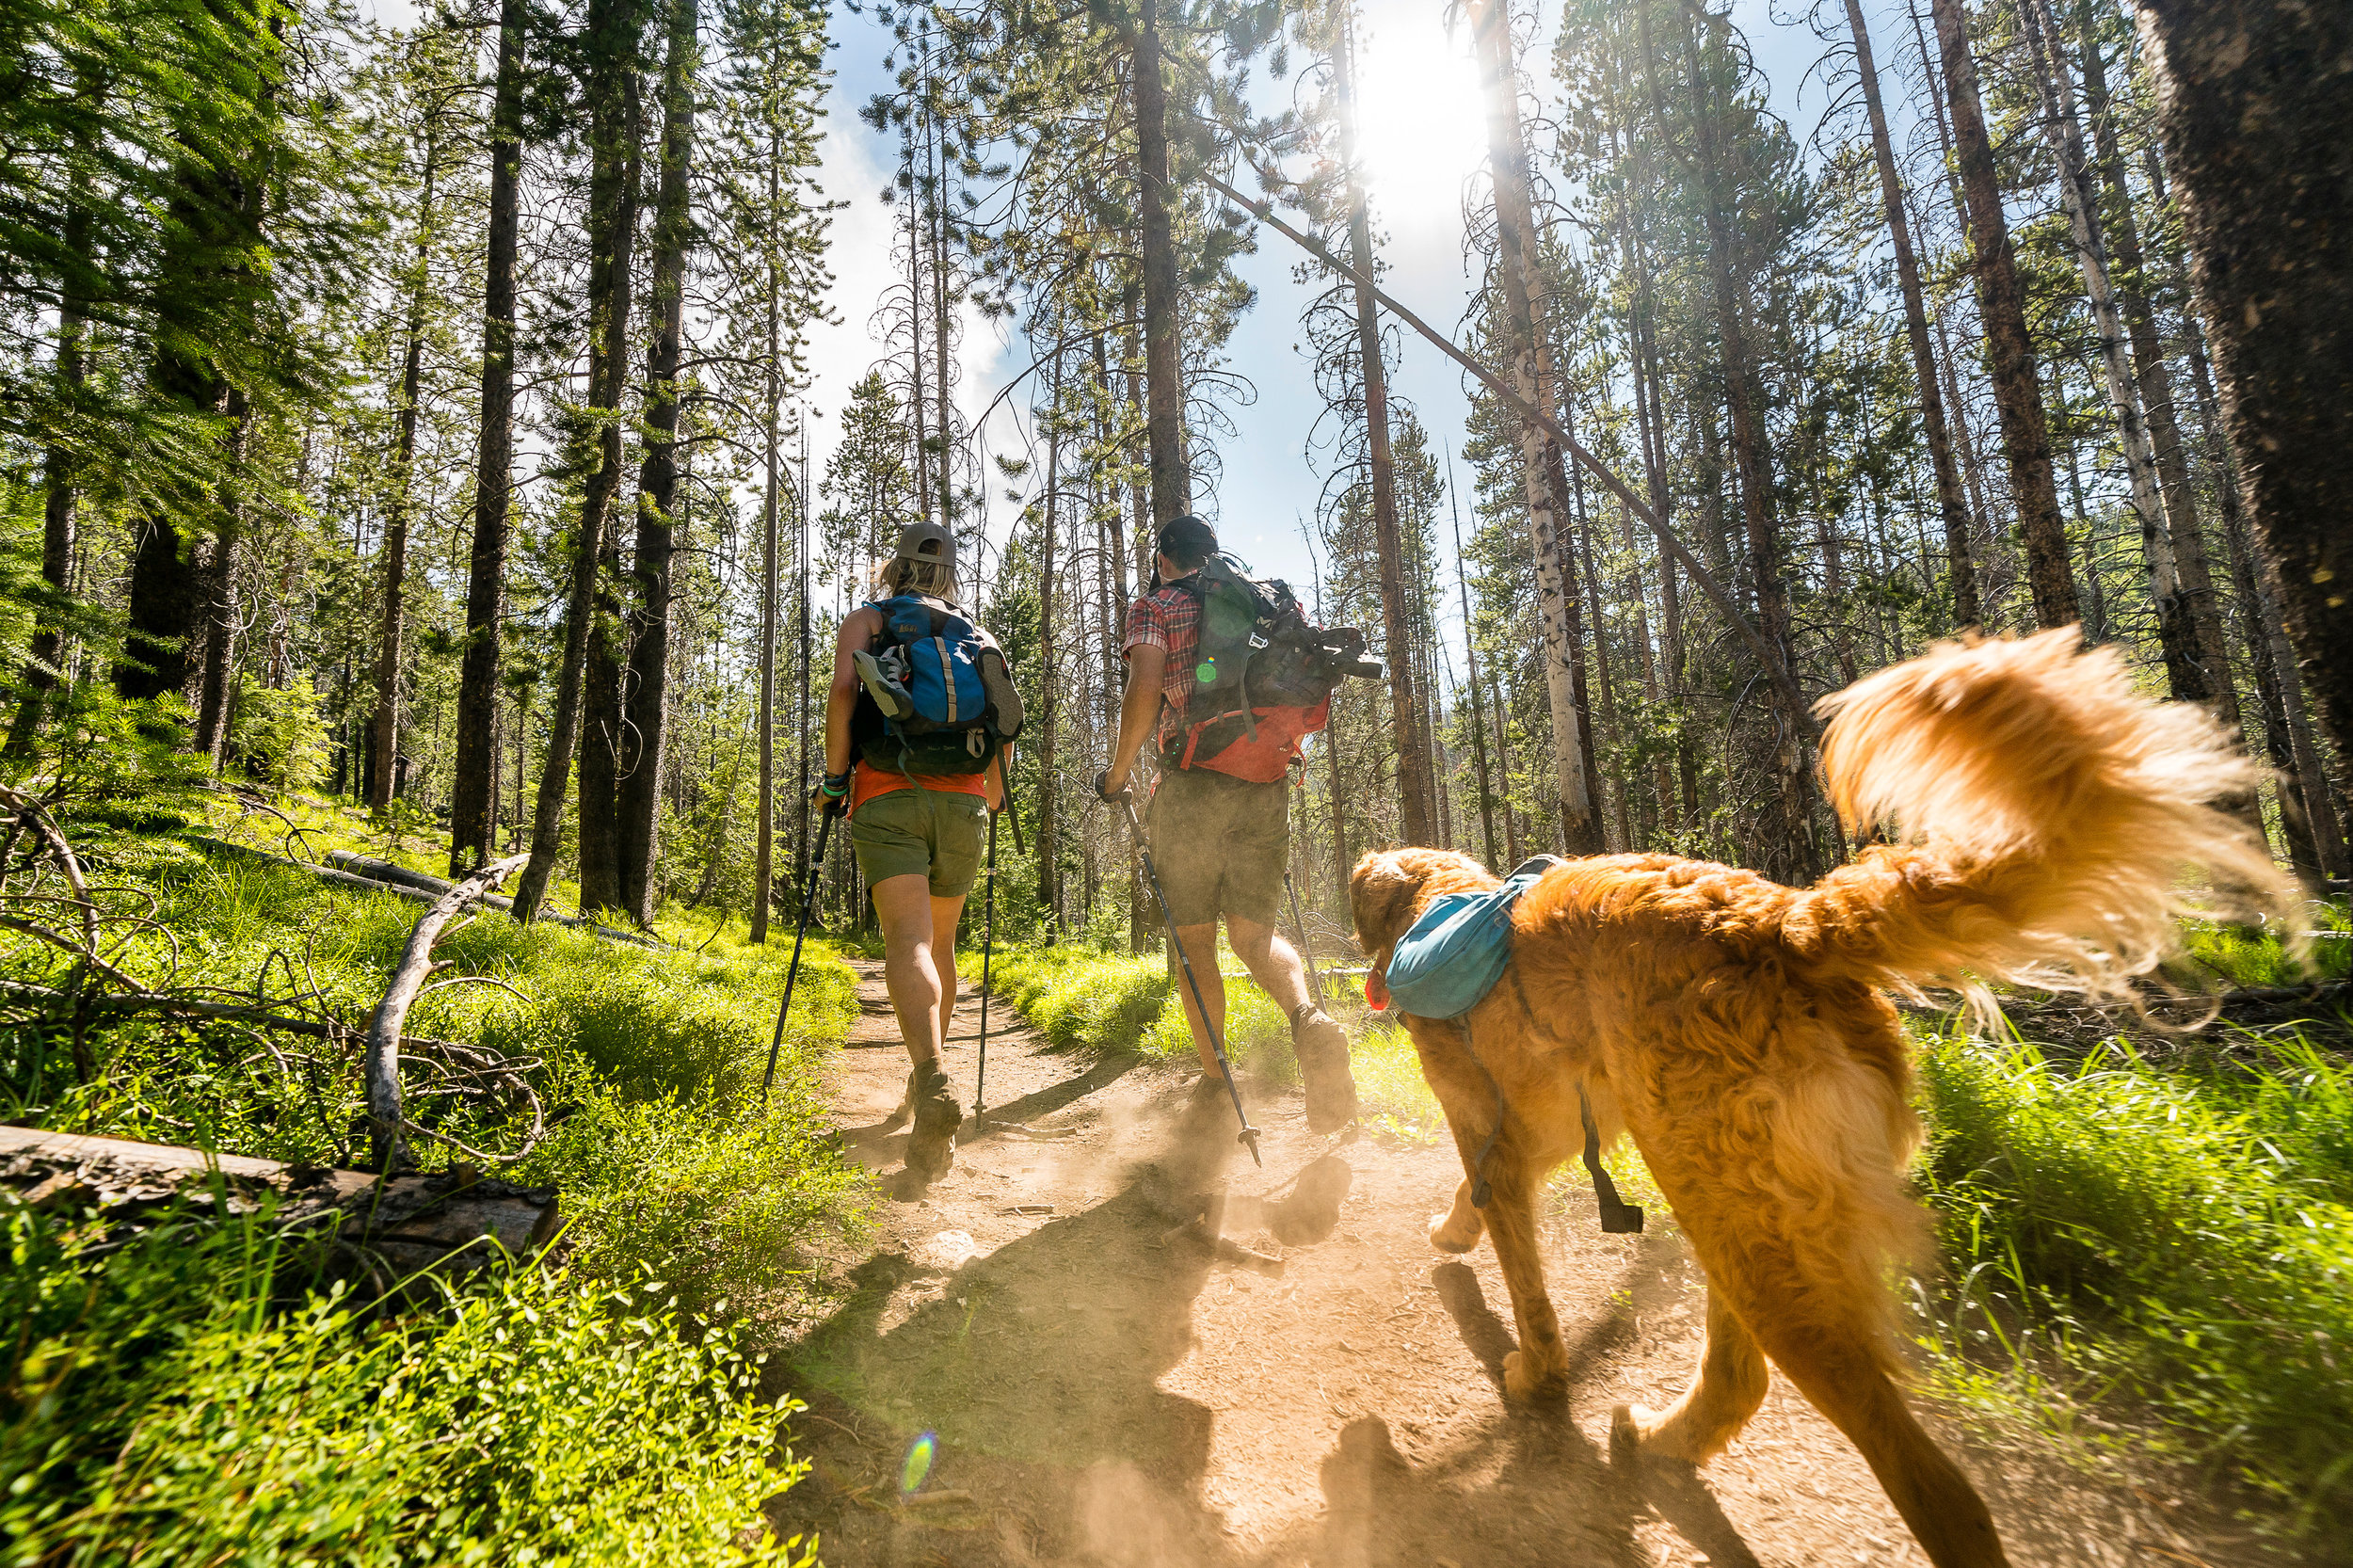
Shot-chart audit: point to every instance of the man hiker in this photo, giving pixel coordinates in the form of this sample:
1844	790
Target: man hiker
916	726
1220	844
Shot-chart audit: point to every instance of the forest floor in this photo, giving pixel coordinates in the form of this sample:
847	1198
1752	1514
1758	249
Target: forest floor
1103	1388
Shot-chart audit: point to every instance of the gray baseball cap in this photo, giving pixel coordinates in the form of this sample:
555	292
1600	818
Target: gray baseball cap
926	540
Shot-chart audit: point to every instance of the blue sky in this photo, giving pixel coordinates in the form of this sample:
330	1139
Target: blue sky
1424	139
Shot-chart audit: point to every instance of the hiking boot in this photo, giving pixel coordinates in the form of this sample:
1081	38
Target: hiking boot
890	696
1321	1046
932	1146
1003	696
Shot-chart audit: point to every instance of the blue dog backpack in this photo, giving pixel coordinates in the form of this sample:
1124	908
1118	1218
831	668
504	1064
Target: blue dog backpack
1451	958
925	706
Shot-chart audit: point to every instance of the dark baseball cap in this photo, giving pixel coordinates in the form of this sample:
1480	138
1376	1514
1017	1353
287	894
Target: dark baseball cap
1187	541
926	541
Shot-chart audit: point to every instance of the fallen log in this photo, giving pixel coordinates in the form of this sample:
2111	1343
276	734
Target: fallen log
454	1216
356	864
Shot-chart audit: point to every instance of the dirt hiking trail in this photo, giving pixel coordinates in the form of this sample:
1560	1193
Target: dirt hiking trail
1104	1388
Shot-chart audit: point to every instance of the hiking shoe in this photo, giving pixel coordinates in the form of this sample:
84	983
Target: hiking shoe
889	695
1003	695
1321	1046
932	1146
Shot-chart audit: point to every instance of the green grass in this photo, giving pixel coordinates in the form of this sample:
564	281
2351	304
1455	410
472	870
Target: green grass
185	1393
166	1401
2175	1239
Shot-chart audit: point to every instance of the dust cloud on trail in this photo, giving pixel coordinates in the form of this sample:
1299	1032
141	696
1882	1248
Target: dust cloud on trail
1104	1388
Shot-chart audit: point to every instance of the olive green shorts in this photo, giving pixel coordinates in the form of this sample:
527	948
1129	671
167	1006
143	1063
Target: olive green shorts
929	833
1221	846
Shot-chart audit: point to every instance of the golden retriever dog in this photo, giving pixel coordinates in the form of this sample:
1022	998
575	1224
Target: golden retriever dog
1739	1031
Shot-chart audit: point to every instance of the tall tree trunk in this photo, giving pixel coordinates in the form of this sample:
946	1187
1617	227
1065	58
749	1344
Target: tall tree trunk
1479	705
936	150
384	722
61	496
2201	607
603	720
1405	704
1543	471
1950	502
764	853
2185	675
645	712
611	222
2255	99
2001	301
216	680
1049	843
1163	348
1792	776
472	817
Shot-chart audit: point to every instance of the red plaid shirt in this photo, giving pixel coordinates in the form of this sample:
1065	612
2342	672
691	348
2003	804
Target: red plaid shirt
1169	619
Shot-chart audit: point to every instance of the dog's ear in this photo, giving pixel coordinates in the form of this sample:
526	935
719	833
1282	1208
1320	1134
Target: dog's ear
1381	891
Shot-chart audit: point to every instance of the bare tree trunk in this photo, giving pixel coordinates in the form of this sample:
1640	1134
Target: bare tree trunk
60	502
646	710
1163	348
2001	301
473	815
385	722
1478	706
764	853
612	226
1404	705
2175	637
2194	572
1950	502
1048	843
1543	472
1791	774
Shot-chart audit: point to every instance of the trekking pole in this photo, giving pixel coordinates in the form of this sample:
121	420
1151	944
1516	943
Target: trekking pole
1307	948
808	901
988	941
1248	1136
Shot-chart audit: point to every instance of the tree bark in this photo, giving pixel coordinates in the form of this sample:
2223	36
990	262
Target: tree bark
1163	348
645	712
2253	100
1543	472
2001	301
1048	843
1405	704
473	825
611	229
1479	709
1950	503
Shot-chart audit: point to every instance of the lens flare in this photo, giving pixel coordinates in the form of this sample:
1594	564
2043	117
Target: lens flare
919	1463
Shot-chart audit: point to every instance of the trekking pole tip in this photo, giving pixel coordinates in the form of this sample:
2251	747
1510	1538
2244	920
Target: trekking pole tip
1248	1137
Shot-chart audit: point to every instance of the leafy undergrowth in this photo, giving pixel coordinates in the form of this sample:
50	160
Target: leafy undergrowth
2173	1239
188	1397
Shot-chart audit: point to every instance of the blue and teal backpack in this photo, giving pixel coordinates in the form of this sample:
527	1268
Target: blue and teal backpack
936	697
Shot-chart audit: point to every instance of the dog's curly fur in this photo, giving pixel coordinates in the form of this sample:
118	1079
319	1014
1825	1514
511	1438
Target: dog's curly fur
1739	1031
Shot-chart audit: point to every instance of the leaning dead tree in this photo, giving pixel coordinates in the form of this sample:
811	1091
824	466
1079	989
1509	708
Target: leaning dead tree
386	1147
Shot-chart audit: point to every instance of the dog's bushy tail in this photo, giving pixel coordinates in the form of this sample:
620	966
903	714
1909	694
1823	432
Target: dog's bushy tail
2045	813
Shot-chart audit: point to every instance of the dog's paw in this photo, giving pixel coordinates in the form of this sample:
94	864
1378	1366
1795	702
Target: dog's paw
1525	1380
1653	1435
1448	1236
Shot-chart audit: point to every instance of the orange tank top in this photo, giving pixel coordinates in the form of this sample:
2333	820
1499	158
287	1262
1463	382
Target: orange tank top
866	781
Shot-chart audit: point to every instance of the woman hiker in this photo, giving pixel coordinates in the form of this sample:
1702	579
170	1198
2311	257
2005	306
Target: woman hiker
918	827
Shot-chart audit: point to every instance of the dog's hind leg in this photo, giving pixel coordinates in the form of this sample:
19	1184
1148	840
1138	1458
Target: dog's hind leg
1540	1367
1459	1229
1730	1385
1831	1363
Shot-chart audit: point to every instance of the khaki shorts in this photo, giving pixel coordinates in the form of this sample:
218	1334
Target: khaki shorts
928	833
1221	846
